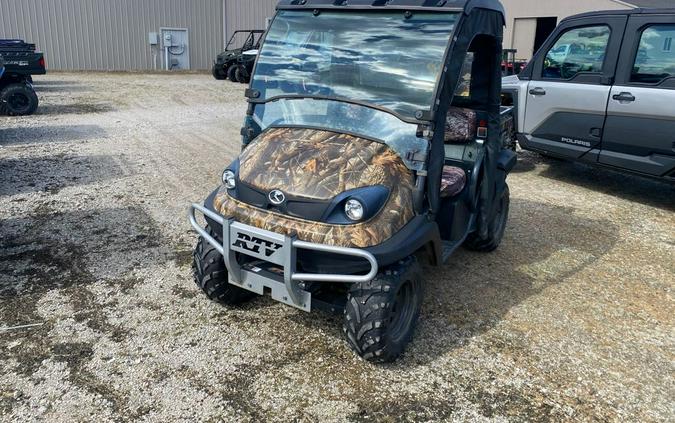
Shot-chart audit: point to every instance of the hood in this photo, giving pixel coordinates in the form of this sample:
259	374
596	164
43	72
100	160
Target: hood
227	54
231	54
320	165
510	80
314	168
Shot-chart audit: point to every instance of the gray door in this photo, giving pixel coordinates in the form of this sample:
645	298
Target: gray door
569	89
565	118
175	48
640	128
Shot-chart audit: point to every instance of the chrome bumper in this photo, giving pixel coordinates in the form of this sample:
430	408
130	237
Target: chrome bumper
278	250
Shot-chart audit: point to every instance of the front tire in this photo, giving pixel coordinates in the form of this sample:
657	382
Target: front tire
380	315
210	274
496	230
218	73
242	75
18	100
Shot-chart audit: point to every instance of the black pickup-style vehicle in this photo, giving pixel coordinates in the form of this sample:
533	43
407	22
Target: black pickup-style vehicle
17	96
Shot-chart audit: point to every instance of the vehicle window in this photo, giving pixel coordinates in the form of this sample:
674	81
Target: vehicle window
655	59
577	50
340	116
382	58
464	86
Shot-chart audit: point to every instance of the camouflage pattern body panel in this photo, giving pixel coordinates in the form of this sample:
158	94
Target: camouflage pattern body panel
320	165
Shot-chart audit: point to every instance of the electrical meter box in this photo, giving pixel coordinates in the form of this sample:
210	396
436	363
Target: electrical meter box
175	43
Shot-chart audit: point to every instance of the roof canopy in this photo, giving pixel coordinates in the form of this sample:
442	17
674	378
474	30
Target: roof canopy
429	5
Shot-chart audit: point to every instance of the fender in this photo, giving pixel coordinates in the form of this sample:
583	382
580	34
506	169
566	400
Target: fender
507	161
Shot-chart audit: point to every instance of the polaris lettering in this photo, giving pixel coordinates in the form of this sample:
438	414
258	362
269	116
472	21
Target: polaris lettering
576	142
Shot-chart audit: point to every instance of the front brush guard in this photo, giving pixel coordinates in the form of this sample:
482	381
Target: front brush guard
278	252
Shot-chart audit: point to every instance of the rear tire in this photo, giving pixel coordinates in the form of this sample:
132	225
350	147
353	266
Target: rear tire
496	231
18	100
218	73
210	274
380	315
232	73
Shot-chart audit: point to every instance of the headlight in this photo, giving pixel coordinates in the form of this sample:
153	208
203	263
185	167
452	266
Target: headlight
354	209
229	180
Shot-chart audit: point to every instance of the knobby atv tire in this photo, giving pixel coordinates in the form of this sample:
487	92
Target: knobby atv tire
18	100
380	315
232	73
241	78
210	275
218	73
496	230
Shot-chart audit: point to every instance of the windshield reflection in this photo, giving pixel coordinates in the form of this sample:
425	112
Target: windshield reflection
345	117
380	58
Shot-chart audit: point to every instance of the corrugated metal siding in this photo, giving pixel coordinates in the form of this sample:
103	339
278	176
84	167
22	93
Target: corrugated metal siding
111	34
247	14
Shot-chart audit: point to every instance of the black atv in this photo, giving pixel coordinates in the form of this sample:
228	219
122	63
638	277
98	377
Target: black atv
236	63
17	96
364	157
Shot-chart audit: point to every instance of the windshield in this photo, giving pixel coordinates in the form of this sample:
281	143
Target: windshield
348	118
382	58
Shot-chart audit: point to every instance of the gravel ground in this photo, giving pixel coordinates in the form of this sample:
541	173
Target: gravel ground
571	319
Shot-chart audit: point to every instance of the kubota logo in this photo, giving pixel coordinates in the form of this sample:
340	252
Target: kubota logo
276	197
255	244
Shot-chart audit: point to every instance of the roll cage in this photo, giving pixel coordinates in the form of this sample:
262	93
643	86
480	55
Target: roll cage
252	41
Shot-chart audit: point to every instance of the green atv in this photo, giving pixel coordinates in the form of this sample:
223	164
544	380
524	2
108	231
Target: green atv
235	64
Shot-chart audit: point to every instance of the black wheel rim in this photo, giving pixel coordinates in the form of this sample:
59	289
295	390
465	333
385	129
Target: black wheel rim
18	101
402	312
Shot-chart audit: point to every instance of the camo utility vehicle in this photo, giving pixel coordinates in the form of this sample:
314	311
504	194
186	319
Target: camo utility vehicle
237	63
363	156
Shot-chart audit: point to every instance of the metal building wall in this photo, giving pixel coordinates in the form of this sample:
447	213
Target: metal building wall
111	34
246	14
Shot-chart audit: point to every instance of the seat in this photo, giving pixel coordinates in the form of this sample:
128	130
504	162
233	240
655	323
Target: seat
460	125
453	181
